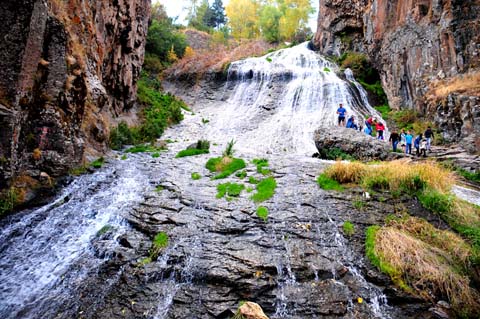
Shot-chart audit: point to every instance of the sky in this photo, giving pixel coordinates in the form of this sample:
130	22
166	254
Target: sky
175	8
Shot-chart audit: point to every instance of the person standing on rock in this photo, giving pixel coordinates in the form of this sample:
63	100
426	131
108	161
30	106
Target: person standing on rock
416	144
408	141
423	147
394	139
370	122
429	135
380	128
341	111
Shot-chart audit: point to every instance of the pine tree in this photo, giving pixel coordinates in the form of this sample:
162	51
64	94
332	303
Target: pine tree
219	13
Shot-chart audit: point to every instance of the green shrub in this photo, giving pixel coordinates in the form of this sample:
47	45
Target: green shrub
384	110
196	176
229	189
265	190
229	151
358	204
325	69
262	213
160	241
156	155
334	153
471	176
8	200
436	202
241	174
348	228
124	157
120	136
205	121
203	145
253	180
98	163
327	183
225	166
191	152
269	59
77	171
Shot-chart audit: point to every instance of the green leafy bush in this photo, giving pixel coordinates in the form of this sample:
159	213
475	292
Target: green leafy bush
191	152
334	153
160	241
8	200
348	228
98	163
436	202
196	176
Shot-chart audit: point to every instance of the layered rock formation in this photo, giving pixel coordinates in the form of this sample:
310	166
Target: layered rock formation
67	70
413	44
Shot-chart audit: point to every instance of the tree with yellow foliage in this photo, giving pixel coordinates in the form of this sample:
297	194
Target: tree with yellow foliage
243	19
294	17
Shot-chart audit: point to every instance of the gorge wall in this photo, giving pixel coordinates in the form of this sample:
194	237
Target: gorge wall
418	47
68	69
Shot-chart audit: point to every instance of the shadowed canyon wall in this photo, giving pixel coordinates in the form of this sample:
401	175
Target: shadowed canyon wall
419	47
67	70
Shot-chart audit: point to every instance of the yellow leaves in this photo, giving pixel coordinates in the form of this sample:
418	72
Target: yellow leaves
242	15
172	56
189	52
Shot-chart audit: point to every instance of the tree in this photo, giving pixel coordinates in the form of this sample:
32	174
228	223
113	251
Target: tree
242	16
219	13
295	15
269	23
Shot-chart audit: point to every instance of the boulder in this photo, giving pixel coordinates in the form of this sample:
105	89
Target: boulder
251	310
334	140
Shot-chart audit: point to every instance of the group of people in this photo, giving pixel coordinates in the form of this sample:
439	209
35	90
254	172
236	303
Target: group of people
421	142
369	123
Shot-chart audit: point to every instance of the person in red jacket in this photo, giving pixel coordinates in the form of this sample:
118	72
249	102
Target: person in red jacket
380	128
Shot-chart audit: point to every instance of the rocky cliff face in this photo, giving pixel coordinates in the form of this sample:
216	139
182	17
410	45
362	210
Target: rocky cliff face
67	70
413	44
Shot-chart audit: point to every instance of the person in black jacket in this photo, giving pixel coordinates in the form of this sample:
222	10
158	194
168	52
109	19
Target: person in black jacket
394	138
429	136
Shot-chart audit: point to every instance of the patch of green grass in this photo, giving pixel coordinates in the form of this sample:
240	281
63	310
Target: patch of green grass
124	157
241	174
8	201
384	110
144	148
471	176
98	163
335	153
205	121
229	189
328	184
269	59
261	164
191	152
249	189
196	176
156	155
348	228
325	69
253	180
436	202
160	241
386	268
358	204
225	166
265	190
105	229
262	213
77	171
159	188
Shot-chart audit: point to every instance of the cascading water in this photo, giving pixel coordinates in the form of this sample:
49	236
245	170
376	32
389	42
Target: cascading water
44	253
277	101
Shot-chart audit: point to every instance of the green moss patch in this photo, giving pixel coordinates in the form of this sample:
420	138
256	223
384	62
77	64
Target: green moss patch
328	183
191	152
225	166
229	190
265	190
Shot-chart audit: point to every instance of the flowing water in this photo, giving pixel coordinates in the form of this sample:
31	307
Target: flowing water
298	265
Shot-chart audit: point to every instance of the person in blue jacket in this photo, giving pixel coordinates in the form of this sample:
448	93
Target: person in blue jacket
341	111
351	123
416	144
408	140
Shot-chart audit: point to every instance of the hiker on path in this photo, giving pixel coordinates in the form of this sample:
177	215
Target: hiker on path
403	142
429	136
423	147
341	111
408	143
371	120
380	128
394	139
416	144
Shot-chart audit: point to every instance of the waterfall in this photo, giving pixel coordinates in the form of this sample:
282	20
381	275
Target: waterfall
277	101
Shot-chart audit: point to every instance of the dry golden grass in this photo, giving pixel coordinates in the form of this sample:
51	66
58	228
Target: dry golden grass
346	172
466	84
393	174
465	213
427	269
442	239
220	166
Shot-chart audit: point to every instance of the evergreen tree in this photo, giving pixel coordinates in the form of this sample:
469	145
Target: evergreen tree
218	13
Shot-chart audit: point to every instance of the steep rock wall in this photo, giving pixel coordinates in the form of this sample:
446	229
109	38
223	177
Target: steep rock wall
413	44
67	70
